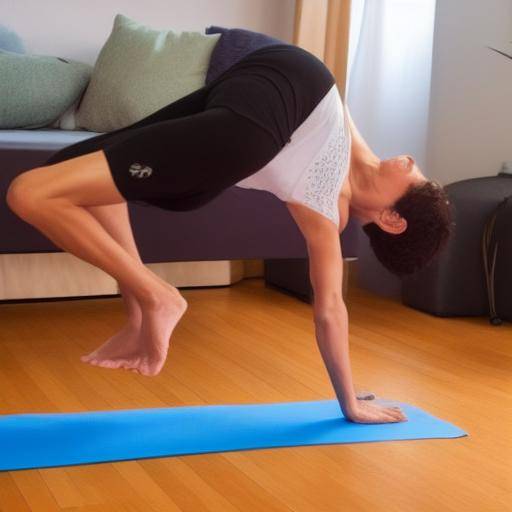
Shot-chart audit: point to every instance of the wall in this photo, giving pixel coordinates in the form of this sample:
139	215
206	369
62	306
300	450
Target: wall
79	28
471	106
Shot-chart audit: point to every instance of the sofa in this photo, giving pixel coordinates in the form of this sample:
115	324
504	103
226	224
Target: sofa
240	224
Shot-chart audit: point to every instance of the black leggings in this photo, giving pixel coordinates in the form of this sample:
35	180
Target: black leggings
193	153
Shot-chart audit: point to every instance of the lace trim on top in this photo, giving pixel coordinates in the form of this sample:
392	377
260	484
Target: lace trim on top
325	175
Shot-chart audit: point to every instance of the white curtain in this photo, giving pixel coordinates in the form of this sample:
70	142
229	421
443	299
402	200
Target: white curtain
388	76
388	92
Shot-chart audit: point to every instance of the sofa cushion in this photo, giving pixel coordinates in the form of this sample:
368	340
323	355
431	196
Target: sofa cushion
234	44
140	70
36	89
41	139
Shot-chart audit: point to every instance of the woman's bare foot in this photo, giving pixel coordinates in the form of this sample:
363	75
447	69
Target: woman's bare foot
123	344
124	347
143	348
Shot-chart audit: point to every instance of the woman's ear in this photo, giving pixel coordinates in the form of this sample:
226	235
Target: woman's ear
391	222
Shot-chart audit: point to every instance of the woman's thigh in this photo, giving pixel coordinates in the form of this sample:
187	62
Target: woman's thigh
183	163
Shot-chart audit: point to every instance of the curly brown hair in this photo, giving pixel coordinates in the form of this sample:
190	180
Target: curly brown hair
428	213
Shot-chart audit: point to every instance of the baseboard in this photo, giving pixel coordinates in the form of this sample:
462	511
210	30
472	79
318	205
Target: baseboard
60	274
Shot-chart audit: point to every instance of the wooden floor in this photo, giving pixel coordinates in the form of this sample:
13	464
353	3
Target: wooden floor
248	343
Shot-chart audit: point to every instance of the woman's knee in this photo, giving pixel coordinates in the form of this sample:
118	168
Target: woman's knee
84	180
22	194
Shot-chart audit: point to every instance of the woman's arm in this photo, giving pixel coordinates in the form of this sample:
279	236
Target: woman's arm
331	328
330	314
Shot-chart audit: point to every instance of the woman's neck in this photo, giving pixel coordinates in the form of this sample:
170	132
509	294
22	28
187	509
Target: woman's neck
363	167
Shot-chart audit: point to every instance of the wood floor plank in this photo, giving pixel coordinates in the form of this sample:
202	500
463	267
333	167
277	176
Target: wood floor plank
62	487
136	475
11	499
35	491
189	490
241	490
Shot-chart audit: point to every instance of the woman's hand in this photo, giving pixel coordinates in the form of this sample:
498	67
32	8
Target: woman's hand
365	412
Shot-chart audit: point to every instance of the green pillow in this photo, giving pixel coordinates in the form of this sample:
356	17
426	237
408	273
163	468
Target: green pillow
140	70
36	89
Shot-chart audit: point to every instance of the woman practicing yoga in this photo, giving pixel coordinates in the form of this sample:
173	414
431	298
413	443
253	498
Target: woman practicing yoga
274	121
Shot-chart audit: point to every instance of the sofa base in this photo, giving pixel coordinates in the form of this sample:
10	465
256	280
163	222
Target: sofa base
60	274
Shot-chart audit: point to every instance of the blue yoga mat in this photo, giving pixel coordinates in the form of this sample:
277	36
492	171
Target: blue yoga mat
45	440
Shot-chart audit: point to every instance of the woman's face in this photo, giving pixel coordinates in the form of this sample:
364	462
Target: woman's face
402	164
396	175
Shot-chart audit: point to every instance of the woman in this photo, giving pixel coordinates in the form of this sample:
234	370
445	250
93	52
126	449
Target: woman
274	120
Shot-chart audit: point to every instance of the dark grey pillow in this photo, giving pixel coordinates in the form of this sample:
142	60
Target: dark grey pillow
234	43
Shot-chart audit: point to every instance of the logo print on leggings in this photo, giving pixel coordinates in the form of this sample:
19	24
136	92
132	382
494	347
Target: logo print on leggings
140	171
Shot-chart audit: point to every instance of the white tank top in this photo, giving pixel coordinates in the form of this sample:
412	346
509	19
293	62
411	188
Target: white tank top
311	168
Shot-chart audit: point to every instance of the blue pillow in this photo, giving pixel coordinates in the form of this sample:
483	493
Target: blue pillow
233	44
11	41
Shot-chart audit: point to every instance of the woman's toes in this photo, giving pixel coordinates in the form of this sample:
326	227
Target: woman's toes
104	363
125	364
110	363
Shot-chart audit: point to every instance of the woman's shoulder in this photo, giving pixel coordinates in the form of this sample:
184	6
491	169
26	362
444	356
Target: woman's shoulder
309	221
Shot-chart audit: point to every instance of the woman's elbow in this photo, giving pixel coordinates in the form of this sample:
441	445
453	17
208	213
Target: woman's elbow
332	310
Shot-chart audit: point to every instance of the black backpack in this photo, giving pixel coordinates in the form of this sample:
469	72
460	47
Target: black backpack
497	259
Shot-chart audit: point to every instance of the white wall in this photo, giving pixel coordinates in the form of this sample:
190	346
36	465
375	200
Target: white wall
79	28
470	122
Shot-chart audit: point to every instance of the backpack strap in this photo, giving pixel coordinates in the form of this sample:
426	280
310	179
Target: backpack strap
489	253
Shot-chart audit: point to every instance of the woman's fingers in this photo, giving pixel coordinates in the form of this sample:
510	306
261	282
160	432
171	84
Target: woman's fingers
373	413
395	413
392	417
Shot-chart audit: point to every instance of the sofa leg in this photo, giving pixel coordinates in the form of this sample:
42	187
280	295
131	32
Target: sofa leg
289	275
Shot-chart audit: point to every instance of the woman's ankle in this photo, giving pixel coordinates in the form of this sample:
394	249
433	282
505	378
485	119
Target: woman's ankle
159	297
